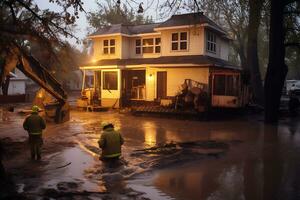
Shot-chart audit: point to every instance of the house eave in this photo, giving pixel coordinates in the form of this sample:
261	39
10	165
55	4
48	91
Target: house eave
174	27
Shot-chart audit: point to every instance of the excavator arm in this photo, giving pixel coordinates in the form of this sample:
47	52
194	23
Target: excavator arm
39	74
33	69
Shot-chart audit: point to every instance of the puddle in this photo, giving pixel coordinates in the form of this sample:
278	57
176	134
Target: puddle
70	166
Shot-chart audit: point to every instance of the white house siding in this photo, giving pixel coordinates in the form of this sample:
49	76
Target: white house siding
16	87
176	77
222	48
224	52
125	47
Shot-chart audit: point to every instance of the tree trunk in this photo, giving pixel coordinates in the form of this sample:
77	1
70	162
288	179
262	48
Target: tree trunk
2	171
5	86
242	55
252	63
277	70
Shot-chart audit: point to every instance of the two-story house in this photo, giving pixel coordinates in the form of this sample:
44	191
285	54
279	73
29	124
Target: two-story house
150	62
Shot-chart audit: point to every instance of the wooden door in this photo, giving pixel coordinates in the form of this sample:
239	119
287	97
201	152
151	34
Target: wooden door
161	85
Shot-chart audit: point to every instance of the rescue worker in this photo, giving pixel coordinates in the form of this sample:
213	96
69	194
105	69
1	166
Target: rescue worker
110	142
34	125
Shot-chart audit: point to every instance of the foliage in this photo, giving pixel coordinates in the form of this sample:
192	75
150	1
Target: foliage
292	40
23	26
109	13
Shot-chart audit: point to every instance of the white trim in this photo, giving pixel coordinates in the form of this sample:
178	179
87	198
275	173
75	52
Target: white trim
174	27
144	66
167	65
122	34
179	41
145	34
108	35
109	46
99	67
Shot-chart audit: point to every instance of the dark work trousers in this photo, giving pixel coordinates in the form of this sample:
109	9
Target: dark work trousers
111	162
35	142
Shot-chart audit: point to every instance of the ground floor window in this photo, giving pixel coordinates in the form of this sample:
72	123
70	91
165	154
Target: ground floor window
225	84
110	80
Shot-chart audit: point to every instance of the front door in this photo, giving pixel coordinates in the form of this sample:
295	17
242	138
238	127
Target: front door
161	87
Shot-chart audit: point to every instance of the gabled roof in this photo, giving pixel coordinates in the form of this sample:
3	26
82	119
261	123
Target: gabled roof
175	20
194	59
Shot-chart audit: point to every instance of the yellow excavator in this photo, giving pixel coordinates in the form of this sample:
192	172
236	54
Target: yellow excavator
56	108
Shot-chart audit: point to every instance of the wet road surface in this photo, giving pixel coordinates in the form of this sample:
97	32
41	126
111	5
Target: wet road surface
262	162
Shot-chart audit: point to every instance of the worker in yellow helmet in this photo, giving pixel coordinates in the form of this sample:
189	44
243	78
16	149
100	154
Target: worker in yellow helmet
110	142
34	125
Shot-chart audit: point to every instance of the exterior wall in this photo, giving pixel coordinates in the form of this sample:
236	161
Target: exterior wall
224	52
150	83
126	48
16	87
175	77
222	48
195	42
111	98
19	74
98	48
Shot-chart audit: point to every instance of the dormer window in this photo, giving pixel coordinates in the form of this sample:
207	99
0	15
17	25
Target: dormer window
179	41
109	46
211	42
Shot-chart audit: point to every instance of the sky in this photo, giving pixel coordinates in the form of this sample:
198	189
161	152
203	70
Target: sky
91	5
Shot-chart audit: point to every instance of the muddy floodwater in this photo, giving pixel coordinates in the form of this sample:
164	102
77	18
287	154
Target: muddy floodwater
236	158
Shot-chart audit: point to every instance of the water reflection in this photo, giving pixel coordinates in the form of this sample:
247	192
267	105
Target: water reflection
172	136
150	133
266	166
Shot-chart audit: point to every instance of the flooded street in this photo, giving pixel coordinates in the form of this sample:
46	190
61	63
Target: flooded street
162	159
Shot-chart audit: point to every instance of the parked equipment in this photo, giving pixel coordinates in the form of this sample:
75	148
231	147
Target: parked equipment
26	63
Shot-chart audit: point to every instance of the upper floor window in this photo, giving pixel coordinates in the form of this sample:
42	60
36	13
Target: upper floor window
109	46
211	42
179	41
157	45
148	45
138	46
